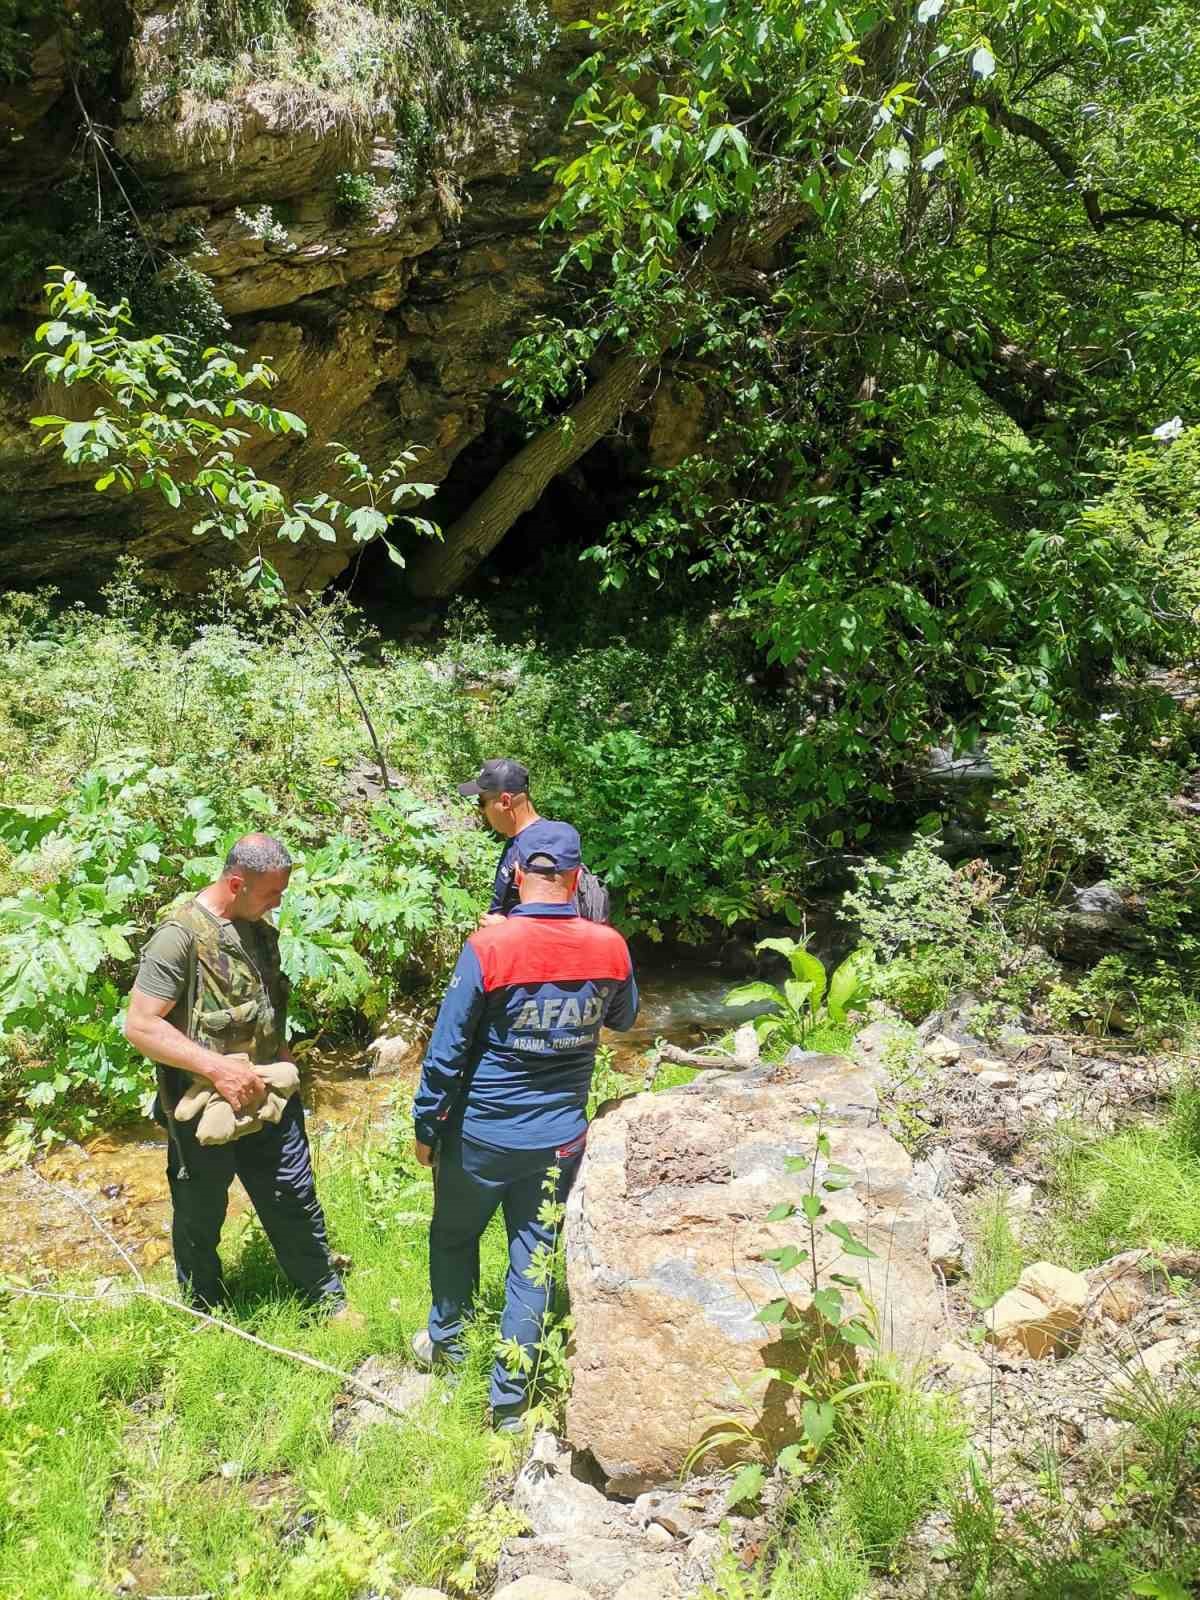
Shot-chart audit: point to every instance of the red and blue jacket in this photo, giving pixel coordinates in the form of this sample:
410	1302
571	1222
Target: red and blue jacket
512	1052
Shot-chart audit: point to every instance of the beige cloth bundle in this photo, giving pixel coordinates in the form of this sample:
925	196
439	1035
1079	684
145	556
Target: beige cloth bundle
219	1122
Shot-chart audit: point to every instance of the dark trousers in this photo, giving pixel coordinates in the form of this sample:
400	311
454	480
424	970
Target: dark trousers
471	1181
277	1174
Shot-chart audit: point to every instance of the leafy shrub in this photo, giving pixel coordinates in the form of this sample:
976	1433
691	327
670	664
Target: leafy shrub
264	224
362	919
1082	806
800	1007
355	196
935	928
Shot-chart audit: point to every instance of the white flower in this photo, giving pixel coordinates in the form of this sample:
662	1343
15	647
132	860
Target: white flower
1166	431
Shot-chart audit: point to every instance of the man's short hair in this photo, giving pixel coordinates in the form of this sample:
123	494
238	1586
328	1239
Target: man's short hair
256	852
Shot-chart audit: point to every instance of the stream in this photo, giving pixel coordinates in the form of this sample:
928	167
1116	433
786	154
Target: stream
120	1177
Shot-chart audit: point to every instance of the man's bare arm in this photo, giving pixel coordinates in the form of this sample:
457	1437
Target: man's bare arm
147	1029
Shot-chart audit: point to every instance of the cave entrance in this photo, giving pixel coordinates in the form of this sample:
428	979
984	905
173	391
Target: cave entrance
572	514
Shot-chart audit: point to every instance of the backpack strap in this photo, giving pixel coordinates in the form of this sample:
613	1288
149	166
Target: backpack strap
160	1072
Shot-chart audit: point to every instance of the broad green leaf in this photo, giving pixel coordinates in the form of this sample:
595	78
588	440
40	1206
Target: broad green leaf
746	1486
808	968
818	1418
828	1303
773	1312
855	1333
797	994
752	994
783	1210
787	1258
849	983
849	1243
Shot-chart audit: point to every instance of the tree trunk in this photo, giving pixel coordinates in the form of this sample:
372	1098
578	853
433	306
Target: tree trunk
519	485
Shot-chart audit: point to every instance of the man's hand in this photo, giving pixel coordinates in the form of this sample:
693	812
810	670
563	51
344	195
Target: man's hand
424	1153
235	1080
490	918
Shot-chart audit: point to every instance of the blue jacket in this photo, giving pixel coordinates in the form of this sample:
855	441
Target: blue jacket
514	1045
504	888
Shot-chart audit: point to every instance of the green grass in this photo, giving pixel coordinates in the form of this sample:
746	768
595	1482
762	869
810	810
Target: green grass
998	1256
1138	1188
898	1454
121	1420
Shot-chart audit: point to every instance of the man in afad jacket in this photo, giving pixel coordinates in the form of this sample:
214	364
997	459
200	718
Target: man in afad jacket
503	1093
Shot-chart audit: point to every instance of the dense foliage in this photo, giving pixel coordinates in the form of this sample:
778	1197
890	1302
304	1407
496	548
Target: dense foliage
932	269
136	741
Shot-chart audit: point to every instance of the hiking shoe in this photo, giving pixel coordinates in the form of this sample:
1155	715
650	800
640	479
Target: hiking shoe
509	1419
428	1355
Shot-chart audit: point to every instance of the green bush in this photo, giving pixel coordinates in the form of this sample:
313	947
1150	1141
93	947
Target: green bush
356	196
136	741
934	928
363	918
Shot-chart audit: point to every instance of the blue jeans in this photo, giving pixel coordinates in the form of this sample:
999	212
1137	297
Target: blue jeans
470	1181
277	1174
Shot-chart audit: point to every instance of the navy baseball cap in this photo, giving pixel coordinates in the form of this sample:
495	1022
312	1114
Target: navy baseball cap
549	847
500	776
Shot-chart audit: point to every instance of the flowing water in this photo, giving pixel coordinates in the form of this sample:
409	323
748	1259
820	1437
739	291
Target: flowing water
55	1210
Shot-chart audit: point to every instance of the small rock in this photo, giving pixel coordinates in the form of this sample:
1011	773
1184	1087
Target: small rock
997	1078
934	1175
650	1586
535	1587
1122	1285
678	1514
230	1470
1043	1315
946	1242
1013	1042
554	1503
873	1044
402	1385
392	1054
1145	1367
704	1549
943	1052
967	1373
658	1537
1099	899
989	1064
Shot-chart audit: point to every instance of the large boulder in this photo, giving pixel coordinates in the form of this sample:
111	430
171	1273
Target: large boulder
666	1235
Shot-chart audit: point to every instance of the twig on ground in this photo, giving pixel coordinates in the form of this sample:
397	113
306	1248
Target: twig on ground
376	1396
716	1060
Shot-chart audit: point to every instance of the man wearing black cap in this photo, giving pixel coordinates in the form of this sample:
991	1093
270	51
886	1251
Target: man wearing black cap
502	788
504	1087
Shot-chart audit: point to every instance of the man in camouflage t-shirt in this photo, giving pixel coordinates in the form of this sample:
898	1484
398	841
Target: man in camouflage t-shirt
210	999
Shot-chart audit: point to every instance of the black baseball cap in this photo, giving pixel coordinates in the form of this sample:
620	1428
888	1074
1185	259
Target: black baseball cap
499	776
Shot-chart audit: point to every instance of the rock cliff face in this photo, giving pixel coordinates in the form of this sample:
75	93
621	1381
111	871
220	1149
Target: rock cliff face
389	330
